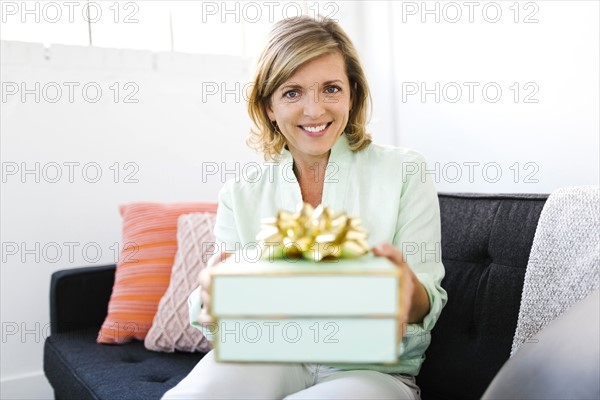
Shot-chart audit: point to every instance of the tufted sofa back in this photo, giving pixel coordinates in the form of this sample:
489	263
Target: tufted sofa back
486	240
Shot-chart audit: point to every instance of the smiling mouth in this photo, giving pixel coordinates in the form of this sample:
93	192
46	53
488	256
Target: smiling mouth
315	130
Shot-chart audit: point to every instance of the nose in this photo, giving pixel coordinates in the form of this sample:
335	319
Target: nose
314	105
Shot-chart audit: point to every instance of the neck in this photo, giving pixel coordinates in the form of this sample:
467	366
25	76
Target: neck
311	169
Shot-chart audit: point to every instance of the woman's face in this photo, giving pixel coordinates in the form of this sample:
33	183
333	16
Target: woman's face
312	107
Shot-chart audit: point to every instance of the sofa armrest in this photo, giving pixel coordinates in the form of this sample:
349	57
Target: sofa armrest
79	297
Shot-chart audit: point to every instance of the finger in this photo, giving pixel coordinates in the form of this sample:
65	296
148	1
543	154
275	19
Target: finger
390	252
205	297
225	256
205	279
217	258
205	319
383	249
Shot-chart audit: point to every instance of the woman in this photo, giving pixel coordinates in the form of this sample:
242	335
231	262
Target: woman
309	105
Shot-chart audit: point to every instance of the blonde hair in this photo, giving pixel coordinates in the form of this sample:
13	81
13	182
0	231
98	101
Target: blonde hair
291	43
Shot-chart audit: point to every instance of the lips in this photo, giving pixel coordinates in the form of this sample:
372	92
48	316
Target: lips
315	129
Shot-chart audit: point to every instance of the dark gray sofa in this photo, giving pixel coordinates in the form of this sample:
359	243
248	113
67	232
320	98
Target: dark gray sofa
486	241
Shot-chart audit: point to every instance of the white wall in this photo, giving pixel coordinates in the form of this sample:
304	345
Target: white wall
540	133
172	132
166	137
551	142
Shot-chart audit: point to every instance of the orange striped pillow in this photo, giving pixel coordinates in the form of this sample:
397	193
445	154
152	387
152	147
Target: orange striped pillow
144	268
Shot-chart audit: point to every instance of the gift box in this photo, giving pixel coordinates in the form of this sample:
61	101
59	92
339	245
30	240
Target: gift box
299	310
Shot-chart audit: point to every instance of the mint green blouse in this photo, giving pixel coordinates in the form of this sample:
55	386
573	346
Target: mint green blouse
386	187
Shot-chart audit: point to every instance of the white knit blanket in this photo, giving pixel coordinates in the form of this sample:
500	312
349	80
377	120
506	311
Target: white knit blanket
564	260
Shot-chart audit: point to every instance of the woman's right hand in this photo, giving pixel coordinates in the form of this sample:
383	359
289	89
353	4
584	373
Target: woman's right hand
205	280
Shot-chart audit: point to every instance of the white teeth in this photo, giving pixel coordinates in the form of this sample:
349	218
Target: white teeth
315	129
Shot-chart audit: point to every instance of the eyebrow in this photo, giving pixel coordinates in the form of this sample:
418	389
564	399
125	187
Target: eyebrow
333	81
293	85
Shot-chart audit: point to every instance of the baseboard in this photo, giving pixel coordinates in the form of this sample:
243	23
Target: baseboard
27	386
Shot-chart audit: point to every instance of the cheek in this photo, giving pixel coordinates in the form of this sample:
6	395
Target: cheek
289	115
344	107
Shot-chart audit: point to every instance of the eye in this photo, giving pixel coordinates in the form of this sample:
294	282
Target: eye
291	94
332	89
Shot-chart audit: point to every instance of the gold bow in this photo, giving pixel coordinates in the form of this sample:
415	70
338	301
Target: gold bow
312	233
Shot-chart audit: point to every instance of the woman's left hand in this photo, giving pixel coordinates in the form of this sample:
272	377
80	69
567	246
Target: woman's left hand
414	301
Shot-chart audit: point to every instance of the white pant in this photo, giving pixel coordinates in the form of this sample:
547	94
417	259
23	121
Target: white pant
213	380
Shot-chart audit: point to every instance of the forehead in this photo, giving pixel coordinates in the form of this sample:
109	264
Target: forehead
327	67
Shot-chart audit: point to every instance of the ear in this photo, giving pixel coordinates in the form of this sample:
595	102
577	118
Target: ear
270	112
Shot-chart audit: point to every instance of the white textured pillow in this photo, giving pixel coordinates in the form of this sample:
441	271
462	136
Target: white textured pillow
171	329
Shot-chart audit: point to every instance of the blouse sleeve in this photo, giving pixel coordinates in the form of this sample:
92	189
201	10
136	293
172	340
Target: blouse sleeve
418	235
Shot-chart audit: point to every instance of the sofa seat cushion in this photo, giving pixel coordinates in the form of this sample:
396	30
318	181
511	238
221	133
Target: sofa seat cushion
78	367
